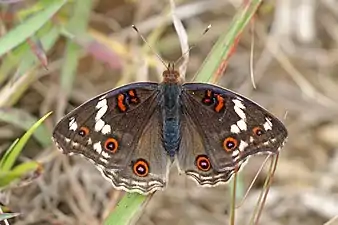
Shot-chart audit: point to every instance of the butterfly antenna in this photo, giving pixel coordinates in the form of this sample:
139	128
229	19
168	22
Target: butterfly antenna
193	46
252	182
145	41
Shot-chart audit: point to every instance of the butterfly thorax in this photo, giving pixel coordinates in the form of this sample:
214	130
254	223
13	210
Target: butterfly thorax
170	107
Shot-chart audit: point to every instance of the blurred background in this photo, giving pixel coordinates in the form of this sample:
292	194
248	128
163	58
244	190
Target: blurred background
94	49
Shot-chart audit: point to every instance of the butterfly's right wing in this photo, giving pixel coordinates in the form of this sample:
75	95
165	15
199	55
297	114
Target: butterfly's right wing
192	158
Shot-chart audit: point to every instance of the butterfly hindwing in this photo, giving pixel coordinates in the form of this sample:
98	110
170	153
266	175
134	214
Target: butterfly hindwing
192	158
149	162
119	131
232	127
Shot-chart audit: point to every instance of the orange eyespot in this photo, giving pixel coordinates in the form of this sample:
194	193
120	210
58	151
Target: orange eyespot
258	131
111	145
83	131
203	163
141	168
230	144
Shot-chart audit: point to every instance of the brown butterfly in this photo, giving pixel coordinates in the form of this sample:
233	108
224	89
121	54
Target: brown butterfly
134	133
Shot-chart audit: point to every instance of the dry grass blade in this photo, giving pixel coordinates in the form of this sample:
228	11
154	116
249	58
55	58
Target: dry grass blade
265	190
252	28
183	38
252	182
232	214
333	221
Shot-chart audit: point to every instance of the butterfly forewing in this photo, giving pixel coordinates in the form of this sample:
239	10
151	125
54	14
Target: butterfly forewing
232	127
108	130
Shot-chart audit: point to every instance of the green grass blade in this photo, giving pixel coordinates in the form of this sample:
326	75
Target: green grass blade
6	216
16	150
29	58
48	35
222	48
28	27
12	92
6	177
7	153
24	120
126	209
77	25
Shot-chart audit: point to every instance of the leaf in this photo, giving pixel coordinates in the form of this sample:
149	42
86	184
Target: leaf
223	47
6	177
5	216
26	29
126	209
24	120
14	151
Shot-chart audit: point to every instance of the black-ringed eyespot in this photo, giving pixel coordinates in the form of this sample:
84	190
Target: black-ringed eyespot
111	144
83	131
203	163
257	131
141	168
229	144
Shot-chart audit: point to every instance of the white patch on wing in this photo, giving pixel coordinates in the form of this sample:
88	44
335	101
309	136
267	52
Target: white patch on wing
266	143
106	129
239	108
102	103
72	124
90	141
242	146
75	145
97	147
234	129
242	124
267	125
105	154
99	125
251	139
101	112
235	153
103	160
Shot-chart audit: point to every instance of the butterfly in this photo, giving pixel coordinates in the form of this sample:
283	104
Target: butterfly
134	133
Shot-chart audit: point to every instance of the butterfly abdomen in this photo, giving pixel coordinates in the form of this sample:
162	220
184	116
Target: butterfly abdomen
171	118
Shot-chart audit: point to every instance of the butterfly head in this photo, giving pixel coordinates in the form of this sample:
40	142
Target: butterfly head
170	75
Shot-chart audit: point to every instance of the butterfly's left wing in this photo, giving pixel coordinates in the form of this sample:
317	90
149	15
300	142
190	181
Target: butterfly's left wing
231	127
120	132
